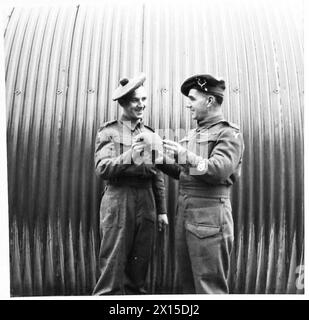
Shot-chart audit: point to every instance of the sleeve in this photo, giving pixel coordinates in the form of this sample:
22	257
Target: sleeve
159	192
172	170
223	161
107	164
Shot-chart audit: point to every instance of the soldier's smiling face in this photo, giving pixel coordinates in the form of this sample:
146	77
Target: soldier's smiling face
134	106
197	103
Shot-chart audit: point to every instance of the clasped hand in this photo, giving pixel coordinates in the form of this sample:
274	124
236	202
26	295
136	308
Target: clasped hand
145	143
173	149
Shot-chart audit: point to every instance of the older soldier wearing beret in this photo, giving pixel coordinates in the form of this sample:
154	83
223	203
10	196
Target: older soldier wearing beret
133	199
208	164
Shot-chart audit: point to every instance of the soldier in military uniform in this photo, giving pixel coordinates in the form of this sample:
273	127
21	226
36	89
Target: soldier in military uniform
208	162
133	199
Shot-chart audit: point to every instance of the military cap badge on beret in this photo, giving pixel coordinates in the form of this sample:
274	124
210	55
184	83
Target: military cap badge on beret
205	83
128	85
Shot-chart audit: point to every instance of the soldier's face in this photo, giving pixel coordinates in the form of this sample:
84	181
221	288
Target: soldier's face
134	107
197	103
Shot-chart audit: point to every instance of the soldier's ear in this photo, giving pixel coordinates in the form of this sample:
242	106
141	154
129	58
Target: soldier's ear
210	100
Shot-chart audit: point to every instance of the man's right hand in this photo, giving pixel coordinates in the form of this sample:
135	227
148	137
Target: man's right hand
151	140
141	153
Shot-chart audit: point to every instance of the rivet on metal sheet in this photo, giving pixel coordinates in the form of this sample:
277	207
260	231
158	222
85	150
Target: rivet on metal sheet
276	91
17	92
59	91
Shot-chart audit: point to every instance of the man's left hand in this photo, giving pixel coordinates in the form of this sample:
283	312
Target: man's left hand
172	147
162	221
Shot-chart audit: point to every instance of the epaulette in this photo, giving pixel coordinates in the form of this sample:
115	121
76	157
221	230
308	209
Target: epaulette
233	125
108	123
149	128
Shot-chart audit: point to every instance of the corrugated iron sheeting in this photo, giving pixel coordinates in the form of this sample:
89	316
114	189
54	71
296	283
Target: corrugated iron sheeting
62	65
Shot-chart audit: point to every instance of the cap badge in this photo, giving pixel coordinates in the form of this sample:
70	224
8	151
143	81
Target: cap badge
202	84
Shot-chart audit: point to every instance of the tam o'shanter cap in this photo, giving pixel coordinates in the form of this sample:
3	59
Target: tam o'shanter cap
205	83
128	85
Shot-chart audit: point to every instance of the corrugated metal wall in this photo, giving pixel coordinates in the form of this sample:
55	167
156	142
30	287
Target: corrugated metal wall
62	64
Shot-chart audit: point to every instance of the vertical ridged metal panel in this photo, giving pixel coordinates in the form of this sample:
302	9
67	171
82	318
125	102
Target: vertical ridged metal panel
62	65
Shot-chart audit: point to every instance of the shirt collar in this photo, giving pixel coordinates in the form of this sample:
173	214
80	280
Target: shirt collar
131	124
210	121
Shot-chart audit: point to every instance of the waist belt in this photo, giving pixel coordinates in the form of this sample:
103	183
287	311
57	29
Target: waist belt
207	191
131	181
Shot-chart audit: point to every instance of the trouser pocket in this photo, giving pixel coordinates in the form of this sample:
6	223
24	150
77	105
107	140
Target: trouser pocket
204	239
207	216
202	231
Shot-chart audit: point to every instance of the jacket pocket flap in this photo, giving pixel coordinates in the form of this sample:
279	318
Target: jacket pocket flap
202	231
123	139
207	138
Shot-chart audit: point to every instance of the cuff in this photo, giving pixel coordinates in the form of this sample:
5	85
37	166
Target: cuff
197	165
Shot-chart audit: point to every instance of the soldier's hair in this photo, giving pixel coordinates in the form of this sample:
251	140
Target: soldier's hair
218	100
122	101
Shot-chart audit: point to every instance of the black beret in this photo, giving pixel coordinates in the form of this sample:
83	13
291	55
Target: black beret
204	83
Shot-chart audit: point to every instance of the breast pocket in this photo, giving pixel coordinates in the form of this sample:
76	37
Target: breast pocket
205	144
122	143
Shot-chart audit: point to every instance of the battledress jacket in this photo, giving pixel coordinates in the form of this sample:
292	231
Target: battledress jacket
213	158
113	159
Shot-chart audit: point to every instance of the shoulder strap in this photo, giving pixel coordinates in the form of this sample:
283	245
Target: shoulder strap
231	124
108	123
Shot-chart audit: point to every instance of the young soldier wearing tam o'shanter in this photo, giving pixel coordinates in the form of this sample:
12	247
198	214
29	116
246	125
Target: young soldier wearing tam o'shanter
133	199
